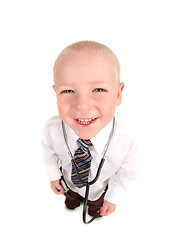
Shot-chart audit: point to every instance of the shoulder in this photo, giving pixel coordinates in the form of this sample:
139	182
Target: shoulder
52	135
123	135
52	121
53	125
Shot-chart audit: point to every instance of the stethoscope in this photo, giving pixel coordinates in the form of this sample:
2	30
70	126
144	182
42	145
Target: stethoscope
88	184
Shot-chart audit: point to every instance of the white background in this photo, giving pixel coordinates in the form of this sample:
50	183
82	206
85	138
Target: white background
147	36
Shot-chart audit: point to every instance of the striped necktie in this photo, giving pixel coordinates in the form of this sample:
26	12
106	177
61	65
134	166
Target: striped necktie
82	158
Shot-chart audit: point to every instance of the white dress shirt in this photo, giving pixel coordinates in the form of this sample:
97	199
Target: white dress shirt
119	166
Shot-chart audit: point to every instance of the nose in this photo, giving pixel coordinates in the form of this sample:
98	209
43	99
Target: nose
83	103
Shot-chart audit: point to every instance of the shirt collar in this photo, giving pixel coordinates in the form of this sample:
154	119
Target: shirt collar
72	138
99	141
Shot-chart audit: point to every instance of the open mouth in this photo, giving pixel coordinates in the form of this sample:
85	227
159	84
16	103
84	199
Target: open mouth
85	121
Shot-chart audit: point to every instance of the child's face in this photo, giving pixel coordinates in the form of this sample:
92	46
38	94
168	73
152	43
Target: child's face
87	92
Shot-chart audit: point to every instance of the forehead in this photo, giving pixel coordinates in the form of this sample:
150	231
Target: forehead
98	67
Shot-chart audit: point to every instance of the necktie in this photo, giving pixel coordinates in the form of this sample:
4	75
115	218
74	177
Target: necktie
82	158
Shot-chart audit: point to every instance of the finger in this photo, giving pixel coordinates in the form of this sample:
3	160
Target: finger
103	211
58	186
106	211
60	190
57	190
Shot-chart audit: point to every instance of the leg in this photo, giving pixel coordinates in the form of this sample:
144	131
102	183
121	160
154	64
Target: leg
71	201
92	211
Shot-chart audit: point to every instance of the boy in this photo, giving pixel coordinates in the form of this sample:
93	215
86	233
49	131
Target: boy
88	89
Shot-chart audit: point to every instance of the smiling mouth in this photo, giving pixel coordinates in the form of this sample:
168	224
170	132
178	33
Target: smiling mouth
85	121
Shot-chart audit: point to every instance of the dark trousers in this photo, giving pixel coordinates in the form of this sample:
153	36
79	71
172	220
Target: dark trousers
73	200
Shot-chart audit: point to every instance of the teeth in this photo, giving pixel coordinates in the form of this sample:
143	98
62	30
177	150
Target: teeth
85	121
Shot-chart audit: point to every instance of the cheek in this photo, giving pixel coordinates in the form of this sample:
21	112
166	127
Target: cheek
108	107
62	107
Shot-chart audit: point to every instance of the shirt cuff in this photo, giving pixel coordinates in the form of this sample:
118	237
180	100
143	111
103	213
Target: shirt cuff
112	194
54	172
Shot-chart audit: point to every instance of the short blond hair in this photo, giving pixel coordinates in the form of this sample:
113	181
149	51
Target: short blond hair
90	47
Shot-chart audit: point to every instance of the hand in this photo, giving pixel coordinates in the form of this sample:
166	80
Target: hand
107	208
56	187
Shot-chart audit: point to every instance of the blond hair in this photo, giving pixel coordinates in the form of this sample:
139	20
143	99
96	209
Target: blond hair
90	47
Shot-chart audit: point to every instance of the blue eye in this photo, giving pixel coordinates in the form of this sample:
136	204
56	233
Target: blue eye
67	91
98	90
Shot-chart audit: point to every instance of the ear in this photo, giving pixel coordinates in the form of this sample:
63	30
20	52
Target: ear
119	97
54	88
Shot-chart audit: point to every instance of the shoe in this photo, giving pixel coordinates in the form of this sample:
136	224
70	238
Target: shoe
70	205
70	208
94	213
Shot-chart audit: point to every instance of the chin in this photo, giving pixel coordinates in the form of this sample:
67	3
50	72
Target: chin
86	135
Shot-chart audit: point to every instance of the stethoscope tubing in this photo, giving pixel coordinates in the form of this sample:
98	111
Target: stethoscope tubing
96	177
88	184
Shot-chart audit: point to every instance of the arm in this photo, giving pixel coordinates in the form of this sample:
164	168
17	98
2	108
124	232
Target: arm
51	160
122	178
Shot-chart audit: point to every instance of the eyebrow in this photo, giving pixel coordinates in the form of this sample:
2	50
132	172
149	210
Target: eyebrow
65	84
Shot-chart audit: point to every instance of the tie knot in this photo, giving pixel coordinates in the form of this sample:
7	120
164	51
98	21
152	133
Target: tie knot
84	143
